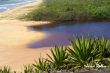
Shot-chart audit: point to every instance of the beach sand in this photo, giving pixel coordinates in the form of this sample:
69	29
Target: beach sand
19	11
14	38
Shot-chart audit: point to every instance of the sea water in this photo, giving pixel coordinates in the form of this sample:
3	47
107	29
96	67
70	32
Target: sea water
10	4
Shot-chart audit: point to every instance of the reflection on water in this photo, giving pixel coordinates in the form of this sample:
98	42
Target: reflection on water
61	33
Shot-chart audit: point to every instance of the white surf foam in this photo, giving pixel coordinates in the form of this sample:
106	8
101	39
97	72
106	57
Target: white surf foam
6	7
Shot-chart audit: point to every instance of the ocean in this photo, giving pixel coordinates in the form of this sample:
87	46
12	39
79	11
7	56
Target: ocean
10	4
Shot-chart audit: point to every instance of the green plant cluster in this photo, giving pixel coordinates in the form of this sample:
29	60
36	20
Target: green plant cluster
59	10
5	69
83	53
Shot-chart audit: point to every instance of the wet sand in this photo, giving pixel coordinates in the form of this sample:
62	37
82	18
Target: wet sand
14	38
19	11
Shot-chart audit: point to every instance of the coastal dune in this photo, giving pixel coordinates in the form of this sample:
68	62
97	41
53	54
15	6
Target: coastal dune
15	36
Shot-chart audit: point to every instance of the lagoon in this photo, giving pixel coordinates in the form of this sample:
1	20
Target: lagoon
61	33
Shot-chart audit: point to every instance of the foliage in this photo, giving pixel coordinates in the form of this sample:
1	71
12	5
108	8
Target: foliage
41	65
70	10
89	51
5	69
58	57
103	47
83	51
28	69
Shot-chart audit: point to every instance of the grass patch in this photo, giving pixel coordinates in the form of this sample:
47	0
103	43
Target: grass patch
60	10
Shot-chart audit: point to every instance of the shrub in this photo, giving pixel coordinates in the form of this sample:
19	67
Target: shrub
5	69
58	57
86	51
82	52
41	65
28	69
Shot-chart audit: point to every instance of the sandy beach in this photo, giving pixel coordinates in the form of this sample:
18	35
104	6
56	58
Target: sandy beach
14	38
19	11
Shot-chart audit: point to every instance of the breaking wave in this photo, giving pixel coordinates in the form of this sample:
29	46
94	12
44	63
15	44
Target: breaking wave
10	6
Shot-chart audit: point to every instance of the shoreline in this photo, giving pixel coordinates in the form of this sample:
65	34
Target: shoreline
19	11
15	37
11	6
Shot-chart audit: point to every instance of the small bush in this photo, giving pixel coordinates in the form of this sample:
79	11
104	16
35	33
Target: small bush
58	59
28	69
84	52
41	65
5	69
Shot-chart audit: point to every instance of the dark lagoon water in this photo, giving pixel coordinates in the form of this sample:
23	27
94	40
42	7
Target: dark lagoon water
60	34
10	4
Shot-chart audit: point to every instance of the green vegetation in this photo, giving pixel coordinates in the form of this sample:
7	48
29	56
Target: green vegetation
58	57
5	69
60	10
83	53
88	51
41	65
28	69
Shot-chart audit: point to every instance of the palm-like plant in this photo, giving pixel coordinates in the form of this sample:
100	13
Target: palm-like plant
58	57
28	69
103	47
82	51
5	69
41	65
